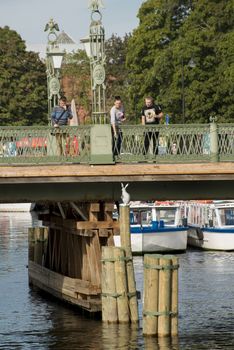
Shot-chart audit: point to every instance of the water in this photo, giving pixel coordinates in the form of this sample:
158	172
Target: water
29	320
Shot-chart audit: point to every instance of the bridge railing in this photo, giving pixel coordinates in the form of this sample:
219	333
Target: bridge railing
226	142
159	143
176	143
164	143
23	145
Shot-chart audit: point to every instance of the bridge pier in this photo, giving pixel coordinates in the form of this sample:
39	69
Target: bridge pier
70	263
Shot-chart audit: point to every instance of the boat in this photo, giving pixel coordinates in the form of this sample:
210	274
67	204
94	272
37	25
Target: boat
211	224
157	227
16	207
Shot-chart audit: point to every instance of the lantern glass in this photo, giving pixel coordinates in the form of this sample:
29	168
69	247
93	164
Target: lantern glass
86	43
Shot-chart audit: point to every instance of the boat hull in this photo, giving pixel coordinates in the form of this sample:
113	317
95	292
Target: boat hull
161	241
16	207
211	239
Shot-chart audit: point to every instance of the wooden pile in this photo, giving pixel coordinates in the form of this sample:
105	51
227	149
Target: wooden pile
119	296
160	314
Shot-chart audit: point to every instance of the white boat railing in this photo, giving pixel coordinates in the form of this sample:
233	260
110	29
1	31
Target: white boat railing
209	214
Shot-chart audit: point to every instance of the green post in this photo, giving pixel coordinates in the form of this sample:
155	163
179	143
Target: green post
54	58
214	147
95	49
101	144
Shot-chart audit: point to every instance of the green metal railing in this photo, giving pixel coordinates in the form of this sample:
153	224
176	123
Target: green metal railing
39	145
226	142
176	143
137	143
166	143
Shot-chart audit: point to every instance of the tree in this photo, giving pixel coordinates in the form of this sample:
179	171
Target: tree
76	78
23	99
207	37
149	57
117	74
172	32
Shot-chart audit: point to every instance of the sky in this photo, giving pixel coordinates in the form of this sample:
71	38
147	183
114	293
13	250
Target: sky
29	17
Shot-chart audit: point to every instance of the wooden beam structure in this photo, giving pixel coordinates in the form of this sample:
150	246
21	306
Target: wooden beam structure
67	261
88	183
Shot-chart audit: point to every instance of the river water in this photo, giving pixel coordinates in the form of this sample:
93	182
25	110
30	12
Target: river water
29	320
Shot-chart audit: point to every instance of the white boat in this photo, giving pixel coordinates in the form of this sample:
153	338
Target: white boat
211	225
16	207
156	228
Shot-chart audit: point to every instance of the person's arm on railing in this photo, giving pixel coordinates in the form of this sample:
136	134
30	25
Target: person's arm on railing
159	115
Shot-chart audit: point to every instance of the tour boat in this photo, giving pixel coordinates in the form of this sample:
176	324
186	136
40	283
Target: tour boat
156	227
16	207
211	225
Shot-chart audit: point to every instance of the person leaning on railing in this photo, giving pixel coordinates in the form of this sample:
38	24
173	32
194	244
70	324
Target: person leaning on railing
60	116
117	117
151	114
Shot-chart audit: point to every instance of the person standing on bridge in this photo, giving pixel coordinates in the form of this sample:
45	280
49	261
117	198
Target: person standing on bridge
60	116
116	118
151	114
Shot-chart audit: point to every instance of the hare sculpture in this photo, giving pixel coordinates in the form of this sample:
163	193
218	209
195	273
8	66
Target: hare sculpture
125	196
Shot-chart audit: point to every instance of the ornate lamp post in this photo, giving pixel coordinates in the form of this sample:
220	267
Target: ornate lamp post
54	58
95	49
190	64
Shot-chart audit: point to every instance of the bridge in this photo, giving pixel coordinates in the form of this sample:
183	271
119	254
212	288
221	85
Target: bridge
78	171
192	162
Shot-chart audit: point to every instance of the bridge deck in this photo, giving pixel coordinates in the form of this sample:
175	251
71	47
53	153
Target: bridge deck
117	173
102	182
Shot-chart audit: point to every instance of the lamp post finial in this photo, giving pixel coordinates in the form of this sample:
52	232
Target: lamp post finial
96	4
51	26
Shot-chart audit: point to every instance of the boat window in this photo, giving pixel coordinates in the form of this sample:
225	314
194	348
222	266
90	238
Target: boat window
146	217
226	216
167	215
135	218
140	217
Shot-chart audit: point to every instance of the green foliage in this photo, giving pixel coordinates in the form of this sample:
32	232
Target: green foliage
117	82
23	99
172	32
76	78
76	75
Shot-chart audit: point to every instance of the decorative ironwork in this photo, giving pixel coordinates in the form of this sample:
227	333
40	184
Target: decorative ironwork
173	143
226	142
97	64
72	144
54	58
52	27
95	4
41	145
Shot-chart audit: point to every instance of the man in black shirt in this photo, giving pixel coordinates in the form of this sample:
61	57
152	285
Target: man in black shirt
151	114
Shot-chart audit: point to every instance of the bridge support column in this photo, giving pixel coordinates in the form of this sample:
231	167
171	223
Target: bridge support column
71	269
101	145
214	146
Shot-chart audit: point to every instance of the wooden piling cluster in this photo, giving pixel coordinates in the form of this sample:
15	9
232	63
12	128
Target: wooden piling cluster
74	259
71	265
119	296
160	314
37	244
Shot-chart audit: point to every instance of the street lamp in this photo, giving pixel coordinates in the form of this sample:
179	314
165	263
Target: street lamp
54	58
94	46
86	42
190	64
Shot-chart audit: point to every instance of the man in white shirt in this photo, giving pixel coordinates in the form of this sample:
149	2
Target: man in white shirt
116	118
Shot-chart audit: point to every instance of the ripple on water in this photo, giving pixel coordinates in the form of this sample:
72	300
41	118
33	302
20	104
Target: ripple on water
31	321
